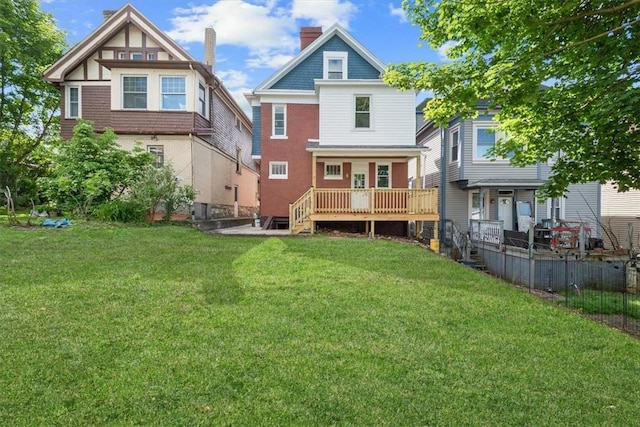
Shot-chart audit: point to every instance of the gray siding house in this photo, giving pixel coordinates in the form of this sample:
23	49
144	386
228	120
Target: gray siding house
473	187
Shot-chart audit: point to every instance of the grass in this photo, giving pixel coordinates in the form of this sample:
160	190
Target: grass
110	325
607	303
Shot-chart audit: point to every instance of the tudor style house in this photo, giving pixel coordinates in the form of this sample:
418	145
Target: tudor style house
334	141
474	187
130	76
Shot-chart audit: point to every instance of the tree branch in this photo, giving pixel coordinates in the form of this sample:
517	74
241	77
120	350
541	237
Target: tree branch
623	6
590	39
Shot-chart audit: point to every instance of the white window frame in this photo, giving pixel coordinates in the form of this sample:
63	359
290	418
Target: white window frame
497	136
331	55
329	165
158	151
561	201
122	55
151	56
146	107
356	112
454	130
203	104
390	185
162	93
67	112
273	121
482	209
277	174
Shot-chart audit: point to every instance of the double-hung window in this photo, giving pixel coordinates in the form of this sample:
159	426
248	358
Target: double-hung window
279	121
73	102
278	170
485	138
362	112
134	92
158	152
174	93
454	137
202	100
335	65
383	176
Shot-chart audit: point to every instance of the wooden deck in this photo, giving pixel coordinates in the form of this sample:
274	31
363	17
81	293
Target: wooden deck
372	204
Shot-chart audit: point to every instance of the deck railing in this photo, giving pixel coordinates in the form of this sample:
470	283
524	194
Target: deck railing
374	201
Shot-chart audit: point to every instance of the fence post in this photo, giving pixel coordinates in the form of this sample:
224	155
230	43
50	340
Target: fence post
532	261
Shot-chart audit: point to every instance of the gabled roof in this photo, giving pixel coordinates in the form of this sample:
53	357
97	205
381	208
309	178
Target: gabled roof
109	28
334	30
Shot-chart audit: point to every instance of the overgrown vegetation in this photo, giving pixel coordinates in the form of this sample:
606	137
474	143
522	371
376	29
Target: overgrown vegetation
104	325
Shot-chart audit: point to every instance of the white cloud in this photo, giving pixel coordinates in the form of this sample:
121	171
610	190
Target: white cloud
399	12
267	29
442	50
324	13
233	78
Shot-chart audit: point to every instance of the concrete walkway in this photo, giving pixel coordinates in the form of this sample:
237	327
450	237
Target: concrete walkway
249	230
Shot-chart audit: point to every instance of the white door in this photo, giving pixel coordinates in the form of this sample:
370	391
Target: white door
359	183
505	212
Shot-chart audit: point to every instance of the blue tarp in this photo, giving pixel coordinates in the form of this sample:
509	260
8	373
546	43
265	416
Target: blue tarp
56	223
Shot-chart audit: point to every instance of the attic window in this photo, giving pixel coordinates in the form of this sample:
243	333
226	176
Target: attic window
335	65
136	56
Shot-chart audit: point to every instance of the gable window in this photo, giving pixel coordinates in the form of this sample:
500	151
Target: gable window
73	102
122	55
454	137
279	120
484	138
174	93
136	56
151	56
202	100
158	152
134	92
278	170
335	65
363	112
383	176
333	171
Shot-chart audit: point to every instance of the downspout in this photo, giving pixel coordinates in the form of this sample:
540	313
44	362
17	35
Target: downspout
443	182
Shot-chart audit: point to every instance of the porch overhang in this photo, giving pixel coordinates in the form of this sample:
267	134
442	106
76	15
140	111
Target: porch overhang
515	184
364	151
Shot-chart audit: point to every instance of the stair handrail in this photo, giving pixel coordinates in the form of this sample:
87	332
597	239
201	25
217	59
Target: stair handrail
301	209
461	241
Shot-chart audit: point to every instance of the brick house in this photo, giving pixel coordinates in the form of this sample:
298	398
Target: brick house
334	141
130	76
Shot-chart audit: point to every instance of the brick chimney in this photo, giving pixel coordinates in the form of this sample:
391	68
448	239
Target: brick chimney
308	35
106	14
210	48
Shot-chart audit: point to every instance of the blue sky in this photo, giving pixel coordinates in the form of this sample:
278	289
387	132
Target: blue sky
256	37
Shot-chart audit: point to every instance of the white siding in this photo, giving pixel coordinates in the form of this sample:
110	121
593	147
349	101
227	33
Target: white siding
392	116
620	204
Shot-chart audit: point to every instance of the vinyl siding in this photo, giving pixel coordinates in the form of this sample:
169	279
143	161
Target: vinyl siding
620	204
257	129
476	171
392	116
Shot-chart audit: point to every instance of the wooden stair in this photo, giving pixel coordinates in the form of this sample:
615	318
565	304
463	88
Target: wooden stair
476	262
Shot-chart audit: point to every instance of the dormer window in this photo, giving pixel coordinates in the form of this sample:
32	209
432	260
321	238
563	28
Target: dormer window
335	65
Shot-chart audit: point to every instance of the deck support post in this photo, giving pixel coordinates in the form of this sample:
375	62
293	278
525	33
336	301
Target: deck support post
372	232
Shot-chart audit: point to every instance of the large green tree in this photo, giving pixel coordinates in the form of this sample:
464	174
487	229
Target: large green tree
29	107
564	76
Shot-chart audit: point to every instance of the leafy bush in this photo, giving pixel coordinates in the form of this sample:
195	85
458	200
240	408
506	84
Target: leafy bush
121	210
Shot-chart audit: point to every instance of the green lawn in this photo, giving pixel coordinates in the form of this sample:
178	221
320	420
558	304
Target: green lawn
110	325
